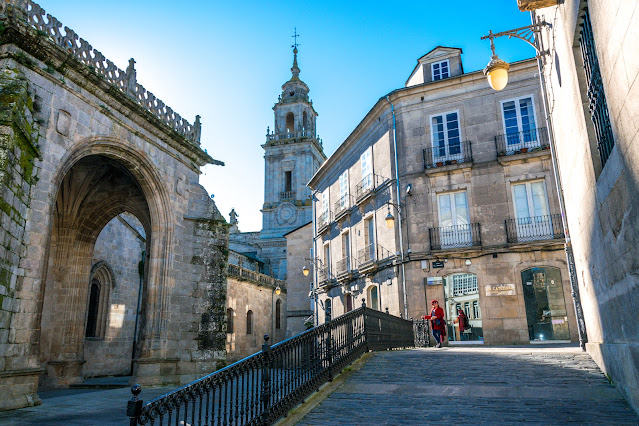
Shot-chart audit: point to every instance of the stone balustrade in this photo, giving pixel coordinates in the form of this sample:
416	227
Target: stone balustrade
36	17
254	277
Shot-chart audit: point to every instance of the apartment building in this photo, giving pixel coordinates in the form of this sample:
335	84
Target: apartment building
445	191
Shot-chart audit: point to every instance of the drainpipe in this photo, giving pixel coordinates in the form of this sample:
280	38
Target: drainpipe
399	209
574	283
313	260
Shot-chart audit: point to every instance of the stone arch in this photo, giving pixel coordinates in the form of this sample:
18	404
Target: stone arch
290	122
98	180
102	278
372	297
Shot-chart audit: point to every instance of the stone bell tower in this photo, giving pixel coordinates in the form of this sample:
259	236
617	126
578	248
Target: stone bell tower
292	154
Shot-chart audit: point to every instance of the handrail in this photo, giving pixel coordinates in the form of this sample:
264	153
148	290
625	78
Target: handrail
535	228
263	387
531	140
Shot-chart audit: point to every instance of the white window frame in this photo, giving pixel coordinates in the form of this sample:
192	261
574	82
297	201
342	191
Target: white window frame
435	149
532	226
534	134
432	69
451	235
343	190
367	168
325	208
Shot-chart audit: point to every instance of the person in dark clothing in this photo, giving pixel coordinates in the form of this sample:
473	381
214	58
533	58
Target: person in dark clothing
462	320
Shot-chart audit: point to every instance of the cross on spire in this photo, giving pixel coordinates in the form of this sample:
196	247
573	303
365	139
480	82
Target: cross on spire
295	36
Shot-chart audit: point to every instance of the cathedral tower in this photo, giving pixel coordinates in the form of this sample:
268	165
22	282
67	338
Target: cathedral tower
292	154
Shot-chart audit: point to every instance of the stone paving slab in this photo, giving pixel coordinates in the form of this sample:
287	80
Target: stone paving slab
79	407
475	385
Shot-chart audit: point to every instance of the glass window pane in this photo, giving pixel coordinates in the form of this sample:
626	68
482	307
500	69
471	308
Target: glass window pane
540	206
445	212
521	201
461	209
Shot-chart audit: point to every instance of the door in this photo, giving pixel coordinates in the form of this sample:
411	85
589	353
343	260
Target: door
533	220
545	304
454	220
462	293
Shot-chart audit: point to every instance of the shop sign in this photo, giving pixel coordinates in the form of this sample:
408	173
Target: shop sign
434	280
500	290
438	264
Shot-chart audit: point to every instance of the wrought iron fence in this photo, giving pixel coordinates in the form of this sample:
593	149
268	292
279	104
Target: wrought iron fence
521	142
343	265
368	185
534	228
421	330
263	387
458	236
371	253
343	204
445	155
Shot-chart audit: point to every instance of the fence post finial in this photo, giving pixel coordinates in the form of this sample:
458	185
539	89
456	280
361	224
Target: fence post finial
134	406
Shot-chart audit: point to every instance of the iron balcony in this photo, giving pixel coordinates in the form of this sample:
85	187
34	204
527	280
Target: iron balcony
446	155
454	237
536	228
531	140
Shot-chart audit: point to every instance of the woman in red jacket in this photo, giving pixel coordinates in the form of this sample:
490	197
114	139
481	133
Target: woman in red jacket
438	324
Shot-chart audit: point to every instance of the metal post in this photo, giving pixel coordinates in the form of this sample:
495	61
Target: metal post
266	382
134	406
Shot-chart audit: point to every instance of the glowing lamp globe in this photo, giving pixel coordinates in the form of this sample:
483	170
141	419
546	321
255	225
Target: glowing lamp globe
497	73
390	220
305	271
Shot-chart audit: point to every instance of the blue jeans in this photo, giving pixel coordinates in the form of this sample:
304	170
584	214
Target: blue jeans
437	334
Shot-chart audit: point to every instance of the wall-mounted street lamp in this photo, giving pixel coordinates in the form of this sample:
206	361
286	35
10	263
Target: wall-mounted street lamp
497	69
390	219
497	73
276	291
305	271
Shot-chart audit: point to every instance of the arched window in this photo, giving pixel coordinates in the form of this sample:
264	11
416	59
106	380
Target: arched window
278	313
305	121
373	298
94	307
229	321
100	283
290	122
249	322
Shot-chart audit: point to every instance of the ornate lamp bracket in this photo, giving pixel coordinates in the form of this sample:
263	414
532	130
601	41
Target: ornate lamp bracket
529	34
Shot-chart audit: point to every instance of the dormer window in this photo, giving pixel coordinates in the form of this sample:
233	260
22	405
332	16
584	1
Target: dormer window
440	70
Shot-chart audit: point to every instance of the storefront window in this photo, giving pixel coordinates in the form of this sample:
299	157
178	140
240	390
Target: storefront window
461	293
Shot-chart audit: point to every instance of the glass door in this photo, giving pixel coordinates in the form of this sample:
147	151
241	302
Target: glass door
462	308
545	305
454	220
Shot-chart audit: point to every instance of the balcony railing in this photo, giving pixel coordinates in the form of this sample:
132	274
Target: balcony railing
372	253
263	387
289	135
254	277
446	155
536	228
341	205
368	185
343	265
323	220
452	237
287	195
521	142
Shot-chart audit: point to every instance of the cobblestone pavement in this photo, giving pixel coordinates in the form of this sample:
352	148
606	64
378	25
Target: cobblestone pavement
79	407
475	385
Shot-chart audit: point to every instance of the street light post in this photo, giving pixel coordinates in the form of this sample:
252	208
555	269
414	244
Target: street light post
494	72
277	290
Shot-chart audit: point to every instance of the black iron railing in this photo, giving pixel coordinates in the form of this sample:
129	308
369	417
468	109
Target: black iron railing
341	205
367	185
521	142
371	253
447	155
263	387
343	265
534	228
452	237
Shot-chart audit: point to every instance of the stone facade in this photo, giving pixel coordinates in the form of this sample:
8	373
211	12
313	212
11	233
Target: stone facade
82	143
298	249
246	294
598	166
472	196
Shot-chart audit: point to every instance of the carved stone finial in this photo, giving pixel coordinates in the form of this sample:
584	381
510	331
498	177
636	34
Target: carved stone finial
197	129
131	79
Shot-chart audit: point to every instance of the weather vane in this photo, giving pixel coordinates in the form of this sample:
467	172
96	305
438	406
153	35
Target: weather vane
295	36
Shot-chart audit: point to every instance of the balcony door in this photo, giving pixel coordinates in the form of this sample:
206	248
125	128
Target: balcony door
454	220
532	213
446	137
519	123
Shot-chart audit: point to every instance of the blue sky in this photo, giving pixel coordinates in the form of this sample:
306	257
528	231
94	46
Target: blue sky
226	61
